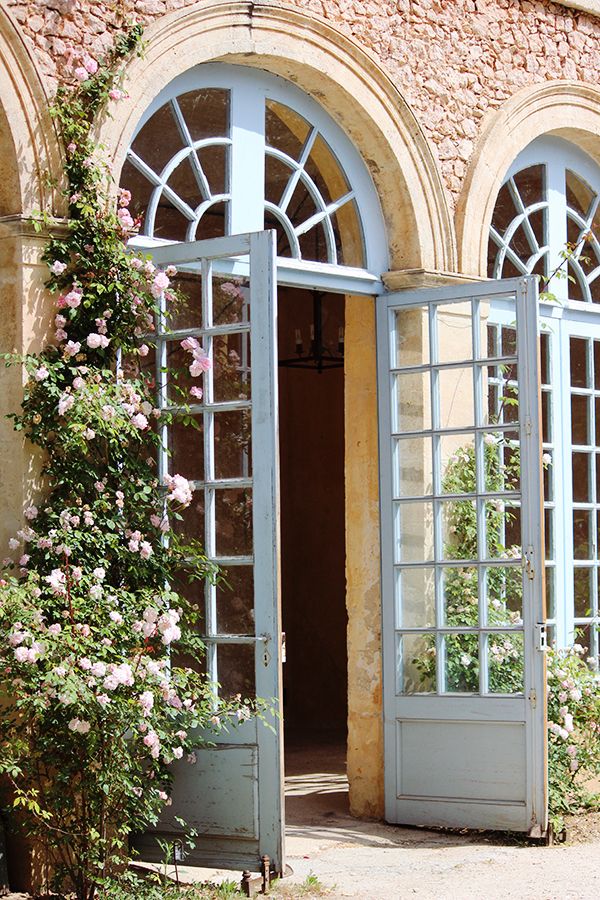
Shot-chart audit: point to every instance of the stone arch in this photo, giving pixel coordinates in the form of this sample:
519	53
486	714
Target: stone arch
568	109
29	146
337	73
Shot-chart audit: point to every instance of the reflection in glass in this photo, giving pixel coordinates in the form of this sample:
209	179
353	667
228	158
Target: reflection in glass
230	301
456	398
413	402
413	473
506	666
236	670
233	450
231	367
454	332
233	513
235	601
460	587
459	529
504	591
461	663
583	590
414	532
415	664
186	442
411	330
415	596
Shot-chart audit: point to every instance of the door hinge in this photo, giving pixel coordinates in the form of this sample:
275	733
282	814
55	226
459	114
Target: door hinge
528	427
528	563
541	635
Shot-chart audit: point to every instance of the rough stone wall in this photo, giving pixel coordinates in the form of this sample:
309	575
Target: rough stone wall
452	60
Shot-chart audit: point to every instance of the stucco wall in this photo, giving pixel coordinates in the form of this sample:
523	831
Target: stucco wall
453	60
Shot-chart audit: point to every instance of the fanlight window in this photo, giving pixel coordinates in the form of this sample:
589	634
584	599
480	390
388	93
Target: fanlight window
548	206
200	160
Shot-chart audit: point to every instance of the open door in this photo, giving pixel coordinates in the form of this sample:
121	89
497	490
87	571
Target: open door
462	557
233	795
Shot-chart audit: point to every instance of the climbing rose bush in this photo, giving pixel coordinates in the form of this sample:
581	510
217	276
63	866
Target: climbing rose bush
573	731
100	659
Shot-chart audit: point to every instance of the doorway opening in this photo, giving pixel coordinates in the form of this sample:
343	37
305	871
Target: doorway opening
311	447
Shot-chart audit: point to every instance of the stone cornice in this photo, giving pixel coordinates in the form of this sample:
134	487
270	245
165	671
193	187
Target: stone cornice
592	7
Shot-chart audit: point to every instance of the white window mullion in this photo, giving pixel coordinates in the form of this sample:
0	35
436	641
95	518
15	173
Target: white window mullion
556	237
247	158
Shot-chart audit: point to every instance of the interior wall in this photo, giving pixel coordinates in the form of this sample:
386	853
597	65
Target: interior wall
312	523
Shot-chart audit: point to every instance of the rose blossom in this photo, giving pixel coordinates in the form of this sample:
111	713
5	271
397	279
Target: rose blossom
57	581
41	374
179	489
57	267
90	64
94	341
73	298
81	74
72	348
31	513
143	349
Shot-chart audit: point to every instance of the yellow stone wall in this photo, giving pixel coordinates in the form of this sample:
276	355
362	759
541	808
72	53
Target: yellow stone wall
363	580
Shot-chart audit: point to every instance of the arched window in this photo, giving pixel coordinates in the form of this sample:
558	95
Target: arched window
228	149
546	222
547	209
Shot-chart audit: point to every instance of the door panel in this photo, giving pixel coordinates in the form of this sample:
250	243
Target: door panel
233	795
462	557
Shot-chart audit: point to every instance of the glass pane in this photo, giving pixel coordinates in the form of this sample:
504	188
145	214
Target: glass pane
193	591
459	529
503	530
582	534
233	449
186	442
456	398
461	653
415	666
550	592
504	588
545	358
413	475
236	670
235	601
583	590
414	532
188	313
502	456
206	113
413	402
415	598
230	300
505	654
549	534
580	419
579	195
460	596
181	381
285	129
412	337
454	332
547	434
191	521
349	236
579	366
231	367
457	453
233	513
581	467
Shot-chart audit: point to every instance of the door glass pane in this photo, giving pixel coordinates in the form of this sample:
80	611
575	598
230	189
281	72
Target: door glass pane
457	463
235	601
461	663
460	587
455	396
454	331
413	472
505	654
414	532
504	592
415	663
412	410
415	597
190	521
186	443
232	444
236	670
230	300
459	529
231	367
411	331
233	514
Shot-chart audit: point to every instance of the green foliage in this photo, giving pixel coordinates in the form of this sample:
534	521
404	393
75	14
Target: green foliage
100	659
573	732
